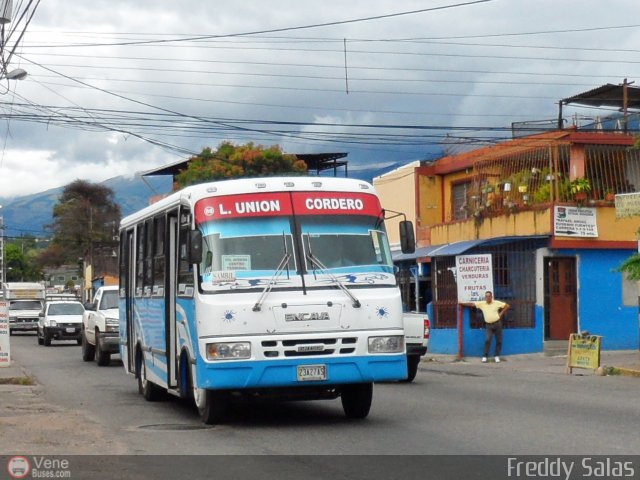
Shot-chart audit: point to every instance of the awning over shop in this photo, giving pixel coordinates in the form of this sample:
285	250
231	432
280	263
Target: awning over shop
419	253
457	248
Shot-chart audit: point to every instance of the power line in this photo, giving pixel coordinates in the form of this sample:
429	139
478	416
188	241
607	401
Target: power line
288	29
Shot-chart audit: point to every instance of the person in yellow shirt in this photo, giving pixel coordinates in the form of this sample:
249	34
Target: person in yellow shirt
492	311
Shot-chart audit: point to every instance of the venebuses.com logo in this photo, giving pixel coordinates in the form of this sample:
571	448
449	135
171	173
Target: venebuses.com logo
38	467
18	467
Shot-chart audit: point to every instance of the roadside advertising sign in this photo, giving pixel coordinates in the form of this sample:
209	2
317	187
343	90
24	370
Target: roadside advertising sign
584	351
5	353
474	276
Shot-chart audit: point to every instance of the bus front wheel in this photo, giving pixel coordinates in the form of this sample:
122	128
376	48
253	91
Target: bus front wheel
356	399
212	405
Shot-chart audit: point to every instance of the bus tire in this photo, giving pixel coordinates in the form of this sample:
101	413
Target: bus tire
356	399
88	350
186	390
102	358
212	406
412	367
149	390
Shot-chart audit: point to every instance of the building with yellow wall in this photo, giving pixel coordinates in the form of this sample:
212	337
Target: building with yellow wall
542	209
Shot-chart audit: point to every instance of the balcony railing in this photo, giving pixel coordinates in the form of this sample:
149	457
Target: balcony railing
526	178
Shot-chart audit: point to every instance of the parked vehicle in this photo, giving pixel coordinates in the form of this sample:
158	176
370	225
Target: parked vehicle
99	337
26	301
60	320
417	329
273	286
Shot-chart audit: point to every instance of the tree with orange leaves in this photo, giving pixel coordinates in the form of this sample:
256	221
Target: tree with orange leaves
237	161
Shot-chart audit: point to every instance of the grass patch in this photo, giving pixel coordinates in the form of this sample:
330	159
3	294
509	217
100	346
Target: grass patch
17	381
612	371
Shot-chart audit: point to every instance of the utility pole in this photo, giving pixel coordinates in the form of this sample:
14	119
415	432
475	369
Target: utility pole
3	275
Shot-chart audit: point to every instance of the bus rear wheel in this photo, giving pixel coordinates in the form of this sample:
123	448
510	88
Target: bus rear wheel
149	390
356	399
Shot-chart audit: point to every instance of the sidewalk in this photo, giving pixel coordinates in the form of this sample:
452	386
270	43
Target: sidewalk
615	362
29	422
14	374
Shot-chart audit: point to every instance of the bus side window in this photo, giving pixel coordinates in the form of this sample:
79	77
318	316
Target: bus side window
139	259
159	264
148	257
185	270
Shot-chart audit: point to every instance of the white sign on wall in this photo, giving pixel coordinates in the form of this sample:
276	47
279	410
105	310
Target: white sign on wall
474	276
627	205
5	353
575	222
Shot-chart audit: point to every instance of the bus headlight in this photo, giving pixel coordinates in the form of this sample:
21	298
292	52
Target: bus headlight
228	351
390	344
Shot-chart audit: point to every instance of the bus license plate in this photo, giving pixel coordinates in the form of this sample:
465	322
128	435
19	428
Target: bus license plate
310	373
71	330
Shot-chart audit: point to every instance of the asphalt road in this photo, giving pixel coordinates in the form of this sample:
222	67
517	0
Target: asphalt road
450	409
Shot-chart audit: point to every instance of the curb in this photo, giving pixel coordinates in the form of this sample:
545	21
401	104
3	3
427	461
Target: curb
628	372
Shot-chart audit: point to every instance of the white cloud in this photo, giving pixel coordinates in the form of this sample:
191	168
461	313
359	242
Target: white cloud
95	94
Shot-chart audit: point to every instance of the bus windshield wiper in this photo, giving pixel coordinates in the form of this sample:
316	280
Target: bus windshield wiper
284	263
314	261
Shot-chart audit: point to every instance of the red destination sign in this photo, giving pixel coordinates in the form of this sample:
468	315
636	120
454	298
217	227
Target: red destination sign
285	203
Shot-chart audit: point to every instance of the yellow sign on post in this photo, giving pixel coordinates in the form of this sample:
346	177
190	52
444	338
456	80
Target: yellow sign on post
584	351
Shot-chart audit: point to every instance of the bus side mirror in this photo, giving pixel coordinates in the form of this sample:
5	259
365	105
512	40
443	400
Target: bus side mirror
407	237
195	246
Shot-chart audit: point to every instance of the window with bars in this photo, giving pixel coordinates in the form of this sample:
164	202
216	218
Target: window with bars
513	282
459	199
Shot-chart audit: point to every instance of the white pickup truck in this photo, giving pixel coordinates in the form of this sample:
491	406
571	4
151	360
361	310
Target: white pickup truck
99	337
417	329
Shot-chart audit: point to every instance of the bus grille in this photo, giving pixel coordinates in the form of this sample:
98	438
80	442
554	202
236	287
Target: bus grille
308	347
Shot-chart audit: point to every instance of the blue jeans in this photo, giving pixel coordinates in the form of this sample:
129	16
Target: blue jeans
492	329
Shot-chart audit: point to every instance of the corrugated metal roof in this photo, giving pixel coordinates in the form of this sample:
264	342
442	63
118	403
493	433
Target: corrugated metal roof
608	95
456	248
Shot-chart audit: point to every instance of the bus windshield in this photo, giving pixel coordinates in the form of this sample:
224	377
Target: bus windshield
346	244
276	238
246	248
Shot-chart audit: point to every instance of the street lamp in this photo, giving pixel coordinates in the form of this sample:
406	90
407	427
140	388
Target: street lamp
16	74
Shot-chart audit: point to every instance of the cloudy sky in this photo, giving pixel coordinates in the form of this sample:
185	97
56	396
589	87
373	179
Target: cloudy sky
116	87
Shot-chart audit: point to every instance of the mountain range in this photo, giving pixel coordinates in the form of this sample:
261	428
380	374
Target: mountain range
29	215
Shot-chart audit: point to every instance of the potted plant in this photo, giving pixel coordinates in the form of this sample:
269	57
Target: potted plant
610	196
579	188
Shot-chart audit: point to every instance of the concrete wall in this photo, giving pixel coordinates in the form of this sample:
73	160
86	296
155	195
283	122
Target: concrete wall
515	340
397	191
601	310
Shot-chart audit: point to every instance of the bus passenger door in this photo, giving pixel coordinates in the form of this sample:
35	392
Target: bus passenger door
170	301
129	286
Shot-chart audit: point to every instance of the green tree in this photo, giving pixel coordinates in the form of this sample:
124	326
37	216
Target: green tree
21	260
85	218
236	161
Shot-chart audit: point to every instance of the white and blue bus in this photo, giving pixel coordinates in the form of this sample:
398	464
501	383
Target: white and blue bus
273	286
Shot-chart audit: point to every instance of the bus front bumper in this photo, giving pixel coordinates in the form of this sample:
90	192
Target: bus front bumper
287	373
